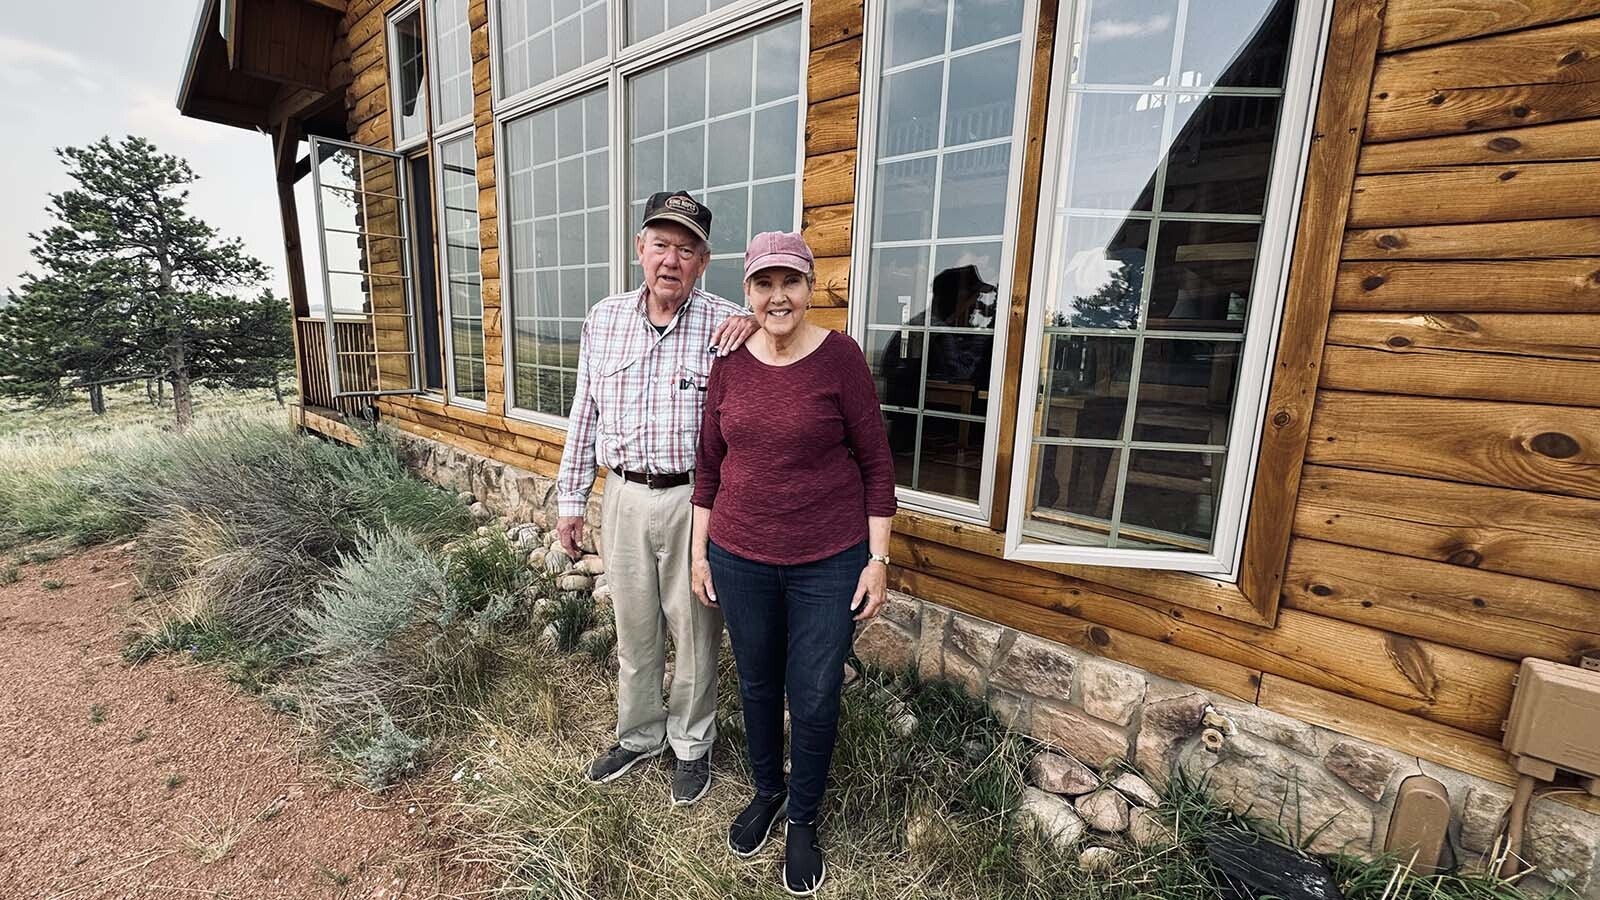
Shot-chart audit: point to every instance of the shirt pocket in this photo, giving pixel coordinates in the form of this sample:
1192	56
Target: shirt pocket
621	394
688	388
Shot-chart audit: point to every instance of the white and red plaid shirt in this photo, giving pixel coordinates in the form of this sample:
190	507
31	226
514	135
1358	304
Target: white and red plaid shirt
639	394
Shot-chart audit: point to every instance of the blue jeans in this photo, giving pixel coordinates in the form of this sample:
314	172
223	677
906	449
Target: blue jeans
791	628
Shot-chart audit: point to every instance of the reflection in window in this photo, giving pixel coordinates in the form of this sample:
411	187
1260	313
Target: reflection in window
409	77
724	125
947	116
543	39
1174	112
558	208
648	18
452	61
460	264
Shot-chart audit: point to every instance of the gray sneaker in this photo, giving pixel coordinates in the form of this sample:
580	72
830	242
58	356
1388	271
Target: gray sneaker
691	781
618	761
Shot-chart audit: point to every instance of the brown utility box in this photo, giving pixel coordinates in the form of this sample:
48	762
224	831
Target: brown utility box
1555	721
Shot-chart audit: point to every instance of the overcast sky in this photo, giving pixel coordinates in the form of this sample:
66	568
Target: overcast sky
71	72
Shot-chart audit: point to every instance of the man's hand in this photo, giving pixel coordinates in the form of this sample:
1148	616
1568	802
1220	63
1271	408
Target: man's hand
569	530
732	333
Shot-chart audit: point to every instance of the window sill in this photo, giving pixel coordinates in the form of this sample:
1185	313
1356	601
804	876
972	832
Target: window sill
1186	589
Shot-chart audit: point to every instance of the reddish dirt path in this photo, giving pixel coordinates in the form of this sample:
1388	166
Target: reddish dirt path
165	781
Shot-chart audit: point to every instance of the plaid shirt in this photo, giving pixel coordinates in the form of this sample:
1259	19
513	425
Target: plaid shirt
640	394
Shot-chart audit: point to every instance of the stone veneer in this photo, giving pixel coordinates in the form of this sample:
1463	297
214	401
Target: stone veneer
1334	790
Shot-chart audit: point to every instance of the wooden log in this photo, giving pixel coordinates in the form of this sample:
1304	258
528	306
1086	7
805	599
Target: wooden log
1476	194
1488	240
1398	115
827	229
832	318
1466	689
1477	755
1550	449
832	125
1562	53
1170	662
1324	206
1518	358
829	179
833	281
1561	141
834	71
1409	24
833	21
1502	615
1545	536
1545	285
1181	588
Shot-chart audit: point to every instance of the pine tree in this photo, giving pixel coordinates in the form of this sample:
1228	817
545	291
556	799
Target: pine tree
131	283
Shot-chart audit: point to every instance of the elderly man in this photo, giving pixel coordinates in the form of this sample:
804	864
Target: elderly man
642	370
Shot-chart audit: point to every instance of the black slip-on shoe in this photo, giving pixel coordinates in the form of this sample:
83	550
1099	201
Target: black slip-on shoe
618	761
804	869
691	780
751	828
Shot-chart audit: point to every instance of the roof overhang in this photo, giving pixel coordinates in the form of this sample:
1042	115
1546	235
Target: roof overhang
236	72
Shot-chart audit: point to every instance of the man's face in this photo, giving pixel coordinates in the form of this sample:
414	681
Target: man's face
673	259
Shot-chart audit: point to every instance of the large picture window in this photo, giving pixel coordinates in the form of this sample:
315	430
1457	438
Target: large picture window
718	116
1171	170
947	100
558	188
452	62
545	39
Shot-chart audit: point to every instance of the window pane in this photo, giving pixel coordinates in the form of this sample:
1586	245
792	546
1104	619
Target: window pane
1128	41
737	154
1154	251
1186	391
460	263
409	77
939	205
452	61
1222	157
1170	501
1085	386
538	42
567	231
1237	43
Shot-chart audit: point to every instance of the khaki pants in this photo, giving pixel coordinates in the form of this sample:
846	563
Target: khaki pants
645	541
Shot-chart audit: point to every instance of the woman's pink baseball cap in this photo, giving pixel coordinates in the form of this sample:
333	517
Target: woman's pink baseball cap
778	249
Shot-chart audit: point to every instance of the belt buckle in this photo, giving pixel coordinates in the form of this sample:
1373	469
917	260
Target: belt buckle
650	480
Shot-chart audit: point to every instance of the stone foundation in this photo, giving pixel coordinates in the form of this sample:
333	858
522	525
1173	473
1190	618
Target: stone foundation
1335	793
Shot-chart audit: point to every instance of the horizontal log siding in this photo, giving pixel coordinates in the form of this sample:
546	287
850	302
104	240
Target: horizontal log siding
1423	564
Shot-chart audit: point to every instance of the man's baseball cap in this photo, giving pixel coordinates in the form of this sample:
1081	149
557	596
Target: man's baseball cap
778	249
681	208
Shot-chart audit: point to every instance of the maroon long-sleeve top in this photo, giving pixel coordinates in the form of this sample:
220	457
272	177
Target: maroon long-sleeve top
793	459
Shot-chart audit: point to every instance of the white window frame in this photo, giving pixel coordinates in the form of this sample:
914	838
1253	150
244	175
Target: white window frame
859	315
1307	46
434	83
392	43
623	62
442	266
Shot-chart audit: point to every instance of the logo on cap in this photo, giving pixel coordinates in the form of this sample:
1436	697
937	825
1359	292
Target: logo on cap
682	204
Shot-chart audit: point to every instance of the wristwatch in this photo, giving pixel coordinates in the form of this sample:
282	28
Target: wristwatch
879	557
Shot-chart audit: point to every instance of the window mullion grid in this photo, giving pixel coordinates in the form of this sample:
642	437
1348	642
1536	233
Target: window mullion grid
1152	249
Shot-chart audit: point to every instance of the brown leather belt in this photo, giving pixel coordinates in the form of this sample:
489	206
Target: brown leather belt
654	480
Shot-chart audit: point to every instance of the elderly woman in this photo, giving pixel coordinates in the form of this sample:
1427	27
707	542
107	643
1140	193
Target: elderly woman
794	491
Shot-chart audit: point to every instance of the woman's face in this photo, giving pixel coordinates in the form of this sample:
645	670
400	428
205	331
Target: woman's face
779	298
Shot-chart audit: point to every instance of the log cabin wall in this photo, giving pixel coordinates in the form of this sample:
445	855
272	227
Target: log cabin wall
1449	503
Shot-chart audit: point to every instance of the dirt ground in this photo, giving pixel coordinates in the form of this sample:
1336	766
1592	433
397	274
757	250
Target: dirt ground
166	781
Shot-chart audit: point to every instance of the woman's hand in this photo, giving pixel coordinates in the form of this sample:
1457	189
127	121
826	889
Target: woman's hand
871	588
700	583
